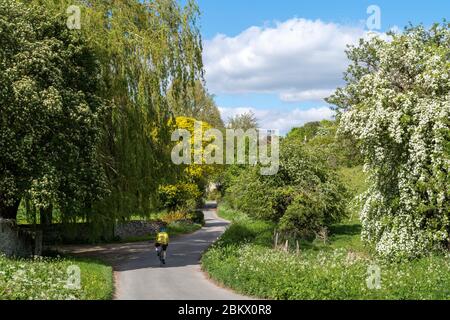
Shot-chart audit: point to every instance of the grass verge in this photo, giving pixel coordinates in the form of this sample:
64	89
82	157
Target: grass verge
243	259
54	278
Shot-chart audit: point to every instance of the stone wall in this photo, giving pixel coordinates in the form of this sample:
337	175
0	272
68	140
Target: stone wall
136	229
23	241
84	233
17	241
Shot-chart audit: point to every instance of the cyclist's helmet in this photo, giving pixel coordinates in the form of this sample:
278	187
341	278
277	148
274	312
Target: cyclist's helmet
162	229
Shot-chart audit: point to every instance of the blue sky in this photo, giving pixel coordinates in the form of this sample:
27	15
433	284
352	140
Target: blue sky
233	16
280	58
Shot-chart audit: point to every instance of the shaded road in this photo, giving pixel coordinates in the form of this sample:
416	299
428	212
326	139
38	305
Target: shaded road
139	276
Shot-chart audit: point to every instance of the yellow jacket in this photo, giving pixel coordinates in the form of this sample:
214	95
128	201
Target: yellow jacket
162	238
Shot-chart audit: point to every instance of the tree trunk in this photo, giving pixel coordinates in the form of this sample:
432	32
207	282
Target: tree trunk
9	212
46	216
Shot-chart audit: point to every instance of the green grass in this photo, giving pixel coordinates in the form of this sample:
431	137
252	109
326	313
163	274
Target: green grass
356	181
181	227
244	260
354	178
47	279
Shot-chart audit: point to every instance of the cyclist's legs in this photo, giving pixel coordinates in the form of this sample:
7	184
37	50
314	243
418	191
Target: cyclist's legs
164	251
158	248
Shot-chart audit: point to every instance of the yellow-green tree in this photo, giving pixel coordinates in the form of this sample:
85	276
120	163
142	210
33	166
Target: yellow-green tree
192	179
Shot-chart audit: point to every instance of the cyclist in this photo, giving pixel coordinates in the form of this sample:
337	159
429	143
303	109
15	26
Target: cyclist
161	244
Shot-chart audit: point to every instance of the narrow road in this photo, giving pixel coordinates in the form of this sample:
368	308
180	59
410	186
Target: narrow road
138	275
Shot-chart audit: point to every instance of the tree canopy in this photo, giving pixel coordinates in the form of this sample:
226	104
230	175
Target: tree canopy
323	139
144	48
196	103
243	121
50	113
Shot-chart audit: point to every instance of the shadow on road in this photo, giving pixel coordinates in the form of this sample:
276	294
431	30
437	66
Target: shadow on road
210	206
183	250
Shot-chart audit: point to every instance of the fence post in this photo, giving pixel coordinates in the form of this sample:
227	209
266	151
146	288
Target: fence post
286	246
297	250
276	240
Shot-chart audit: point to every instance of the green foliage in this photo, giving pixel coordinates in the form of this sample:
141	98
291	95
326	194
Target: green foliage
244	229
303	197
192	180
50	113
197	216
327	275
182	227
396	106
196	103
143	47
46	278
323	140
306	132
225	212
180	197
354	178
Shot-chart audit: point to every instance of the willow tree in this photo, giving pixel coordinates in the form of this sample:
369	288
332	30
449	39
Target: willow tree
142	47
196	103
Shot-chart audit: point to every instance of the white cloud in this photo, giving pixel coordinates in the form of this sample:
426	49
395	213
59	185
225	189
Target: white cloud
283	121
305	95
297	59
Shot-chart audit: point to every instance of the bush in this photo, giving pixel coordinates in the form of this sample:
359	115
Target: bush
303	197
180	197
197	216
173	216
303	217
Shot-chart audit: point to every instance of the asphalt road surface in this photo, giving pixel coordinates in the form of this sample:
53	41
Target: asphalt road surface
139	276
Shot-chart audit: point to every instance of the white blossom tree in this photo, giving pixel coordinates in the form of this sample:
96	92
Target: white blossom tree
49	113
397	105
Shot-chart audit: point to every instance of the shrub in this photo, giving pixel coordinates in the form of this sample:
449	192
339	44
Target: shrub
197	216
303	197
303	217
179	197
